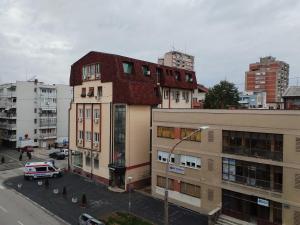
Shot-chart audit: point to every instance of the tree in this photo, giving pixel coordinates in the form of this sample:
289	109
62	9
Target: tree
222	96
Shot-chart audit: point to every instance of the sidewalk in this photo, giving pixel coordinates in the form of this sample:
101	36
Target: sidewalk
100	201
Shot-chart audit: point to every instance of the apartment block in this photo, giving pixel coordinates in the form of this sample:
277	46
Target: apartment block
253	100
35	109
271	76
110	116
246	165
178	60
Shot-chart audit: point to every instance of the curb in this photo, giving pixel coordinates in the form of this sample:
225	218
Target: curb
41	207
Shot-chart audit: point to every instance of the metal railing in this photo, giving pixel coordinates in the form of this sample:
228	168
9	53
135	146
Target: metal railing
254	182
254	152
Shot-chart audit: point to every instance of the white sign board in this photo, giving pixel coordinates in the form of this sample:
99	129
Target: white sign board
263	202
25	143
176	169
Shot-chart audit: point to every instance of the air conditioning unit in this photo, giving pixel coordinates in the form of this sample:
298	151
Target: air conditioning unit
96	121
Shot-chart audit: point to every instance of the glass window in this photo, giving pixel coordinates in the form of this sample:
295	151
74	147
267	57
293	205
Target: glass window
146	71
96	137
184	132
127	67
165	132
87	160
161	182
88	135
99	91
190	189
190	161
96	163
96	113
77	159
88	113
41	169
163	157
119	133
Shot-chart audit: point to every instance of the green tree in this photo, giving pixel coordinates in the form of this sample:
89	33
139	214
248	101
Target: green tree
222	96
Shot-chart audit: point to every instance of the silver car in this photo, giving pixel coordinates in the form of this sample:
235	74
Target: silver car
86	219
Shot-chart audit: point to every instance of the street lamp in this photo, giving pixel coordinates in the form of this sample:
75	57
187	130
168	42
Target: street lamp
167	169
129	200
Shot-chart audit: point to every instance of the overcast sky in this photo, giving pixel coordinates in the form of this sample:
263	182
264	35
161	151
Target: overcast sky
44	38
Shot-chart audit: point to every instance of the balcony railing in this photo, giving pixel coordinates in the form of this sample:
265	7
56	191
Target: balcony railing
47	124
253	182
7	126
47	114
254	152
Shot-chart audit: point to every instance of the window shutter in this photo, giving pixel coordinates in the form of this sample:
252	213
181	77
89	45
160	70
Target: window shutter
210	136
298	144
297	181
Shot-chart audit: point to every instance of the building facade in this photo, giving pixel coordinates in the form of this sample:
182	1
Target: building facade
35	109
270	76
177	59
291	98
110	116
247	163
253	100
199	96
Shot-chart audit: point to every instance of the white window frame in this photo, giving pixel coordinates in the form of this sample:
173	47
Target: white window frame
96	113
162	156
88	113
188	161
96	137
88	135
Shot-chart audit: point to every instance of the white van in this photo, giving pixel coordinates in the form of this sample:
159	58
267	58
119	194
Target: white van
35	170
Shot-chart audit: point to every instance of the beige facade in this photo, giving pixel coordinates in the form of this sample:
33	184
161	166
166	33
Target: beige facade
174	98
262	184
178	60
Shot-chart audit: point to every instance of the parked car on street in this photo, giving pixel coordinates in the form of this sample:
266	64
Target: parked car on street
86	219
65	151
57	155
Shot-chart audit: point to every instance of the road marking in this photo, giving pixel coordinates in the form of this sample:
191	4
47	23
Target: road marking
3	209
19	222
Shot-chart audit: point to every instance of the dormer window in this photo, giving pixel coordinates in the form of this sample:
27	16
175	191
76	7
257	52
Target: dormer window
177	75
128	67
91	70
188	77
146	71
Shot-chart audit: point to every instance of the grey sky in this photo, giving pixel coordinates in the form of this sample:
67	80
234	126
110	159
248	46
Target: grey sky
44	38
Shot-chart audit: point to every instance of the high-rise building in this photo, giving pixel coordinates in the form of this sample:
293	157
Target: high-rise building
178	60
35	109
110	116
245	166
271	76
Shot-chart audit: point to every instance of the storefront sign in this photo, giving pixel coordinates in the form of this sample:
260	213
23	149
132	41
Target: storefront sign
176	169
263	202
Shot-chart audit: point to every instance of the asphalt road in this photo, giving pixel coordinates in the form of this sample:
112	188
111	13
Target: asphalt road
14	209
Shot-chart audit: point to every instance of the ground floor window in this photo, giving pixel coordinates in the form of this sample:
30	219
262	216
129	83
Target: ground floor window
96	163
77	159
87	160
161	182
190	189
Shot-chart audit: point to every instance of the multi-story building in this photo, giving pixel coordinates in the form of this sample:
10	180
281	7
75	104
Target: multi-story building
270	76
35	109
110	116
291	98
253	100
177	59
199	96
247	163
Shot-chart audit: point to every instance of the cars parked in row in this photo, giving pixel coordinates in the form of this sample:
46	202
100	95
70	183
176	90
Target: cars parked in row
86	219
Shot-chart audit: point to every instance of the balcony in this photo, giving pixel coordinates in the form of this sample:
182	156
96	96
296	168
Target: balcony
47	136
47	114
8	126
10	137
254	152
47	124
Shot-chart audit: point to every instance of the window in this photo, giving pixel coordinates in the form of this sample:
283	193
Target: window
146	71
87	160
88	113
177	96
35	140
96	113
99	92
77	159
90	70
96	163
184	132
35	131
128	67
177	75
161	182
163	157
91	92
96	137
165	132
83	92
41	169
35	90
166	94
35	110
80	134
97	68
190	189
186	96
188	77
80	113
35	121
190	161
88	135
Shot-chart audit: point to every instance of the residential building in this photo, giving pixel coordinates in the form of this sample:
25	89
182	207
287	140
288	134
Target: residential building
34	109
177	59
270	76
110	115
253	100
291	98
247	163
199	96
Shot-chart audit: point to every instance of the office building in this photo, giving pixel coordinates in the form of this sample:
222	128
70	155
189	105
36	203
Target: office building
35	109
246	165
270	76
111	114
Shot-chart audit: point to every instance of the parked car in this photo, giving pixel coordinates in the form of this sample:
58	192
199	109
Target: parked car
57	155
65	151
35	170
86	219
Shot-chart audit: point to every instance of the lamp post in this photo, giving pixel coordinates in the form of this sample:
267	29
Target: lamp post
167	170
129	198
